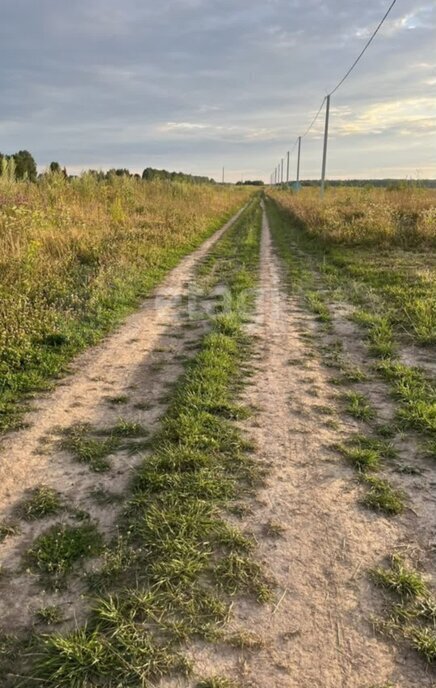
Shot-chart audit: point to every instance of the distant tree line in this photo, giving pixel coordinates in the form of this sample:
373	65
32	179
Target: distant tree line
255	182
22	165
150	174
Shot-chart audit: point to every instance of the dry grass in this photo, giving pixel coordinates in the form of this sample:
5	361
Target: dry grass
365	216
75	255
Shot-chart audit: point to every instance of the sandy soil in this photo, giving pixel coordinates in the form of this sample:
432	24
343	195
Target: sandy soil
419	485
318	632
139	361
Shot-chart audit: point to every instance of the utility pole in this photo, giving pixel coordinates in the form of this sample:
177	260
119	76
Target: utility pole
298	160
223	176
324	153
281	167
287	167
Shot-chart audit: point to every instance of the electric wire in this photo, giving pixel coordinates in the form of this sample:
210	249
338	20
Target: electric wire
347	74
309	128
339	84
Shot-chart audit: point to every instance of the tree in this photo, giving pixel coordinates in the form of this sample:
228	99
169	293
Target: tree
25	165
120	172
149	174
54	167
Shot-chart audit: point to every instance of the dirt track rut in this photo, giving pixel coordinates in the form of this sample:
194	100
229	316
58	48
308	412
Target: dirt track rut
318	632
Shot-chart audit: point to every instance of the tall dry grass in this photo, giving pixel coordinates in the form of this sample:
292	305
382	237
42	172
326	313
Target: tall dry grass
365	216
76	254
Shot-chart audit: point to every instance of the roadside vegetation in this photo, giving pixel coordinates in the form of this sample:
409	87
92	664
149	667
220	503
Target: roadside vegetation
378	243
77	254
366	256
387	274
170	574
369	216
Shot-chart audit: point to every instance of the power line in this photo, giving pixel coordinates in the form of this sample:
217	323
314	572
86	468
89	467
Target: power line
338	85
314	120
293	147
365	48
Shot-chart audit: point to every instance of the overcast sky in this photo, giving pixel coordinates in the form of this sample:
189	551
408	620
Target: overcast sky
194	85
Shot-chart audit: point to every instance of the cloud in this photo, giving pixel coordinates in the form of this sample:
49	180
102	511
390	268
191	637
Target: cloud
197	84
218	132
410	116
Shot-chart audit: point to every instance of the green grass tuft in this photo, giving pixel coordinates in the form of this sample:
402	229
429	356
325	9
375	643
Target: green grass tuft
55	552
381	496
413	615
237	573
86	658
217	682
51	615
364	459
416	394
43	501
246	640
127	428
86	448
8	529
424	640
400	579
380	334
318	306
118	400
359	407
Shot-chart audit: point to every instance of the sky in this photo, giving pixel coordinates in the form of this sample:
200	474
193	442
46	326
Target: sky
195	85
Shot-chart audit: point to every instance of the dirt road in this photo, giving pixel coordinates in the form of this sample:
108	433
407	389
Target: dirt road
313	538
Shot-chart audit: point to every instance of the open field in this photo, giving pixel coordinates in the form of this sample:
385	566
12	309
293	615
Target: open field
75	256
236	487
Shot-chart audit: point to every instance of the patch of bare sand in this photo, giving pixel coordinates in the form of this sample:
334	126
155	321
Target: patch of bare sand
318	633
412	472
136	364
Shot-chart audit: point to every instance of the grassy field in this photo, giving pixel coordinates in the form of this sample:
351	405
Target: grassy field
380	244
76	255
404	218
